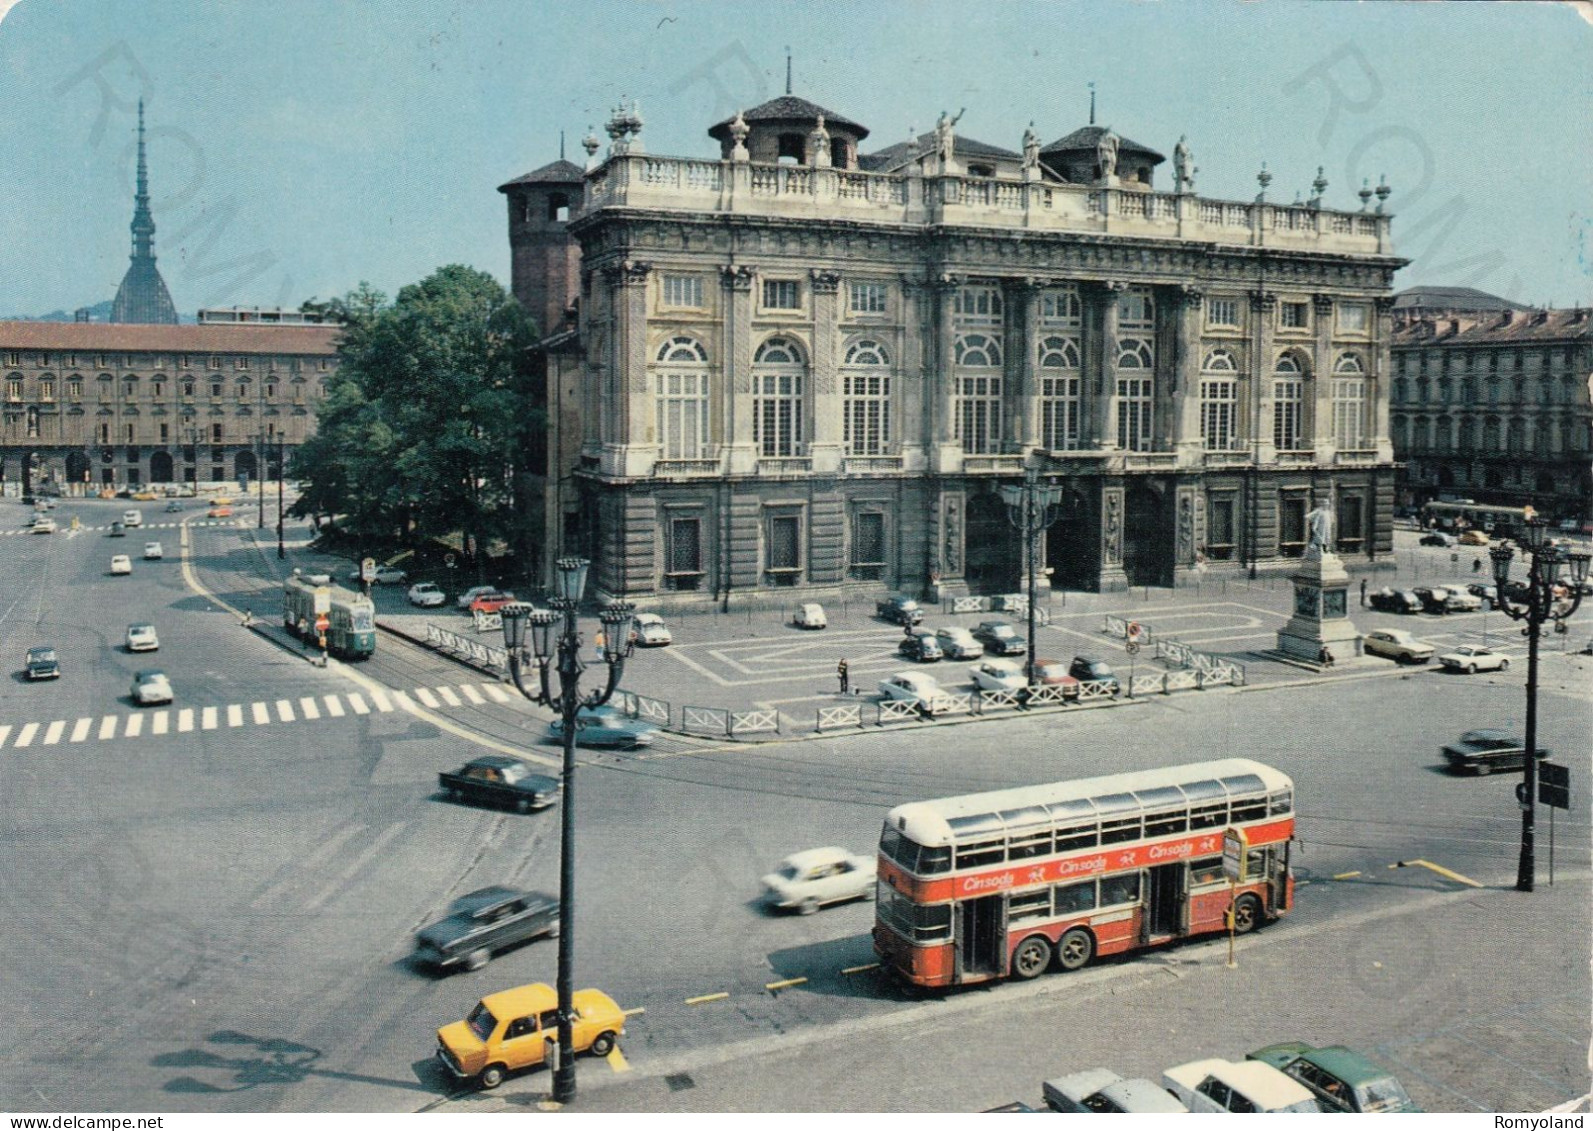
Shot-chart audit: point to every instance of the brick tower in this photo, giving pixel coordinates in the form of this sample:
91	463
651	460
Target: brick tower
545	262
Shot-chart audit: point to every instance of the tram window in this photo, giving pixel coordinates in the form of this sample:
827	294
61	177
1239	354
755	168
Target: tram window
1070	899
1163	824
1076	836
1030	905
1282	802
980	853
1249	809
932	860
1213	816
1207	871
1120	889
1026	844
1120	830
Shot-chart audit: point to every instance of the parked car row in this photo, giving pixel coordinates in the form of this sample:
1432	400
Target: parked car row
999	674
1436	599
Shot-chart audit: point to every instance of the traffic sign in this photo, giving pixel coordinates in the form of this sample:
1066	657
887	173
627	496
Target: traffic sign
322	623
321	600
1235	847
1554	785
368	569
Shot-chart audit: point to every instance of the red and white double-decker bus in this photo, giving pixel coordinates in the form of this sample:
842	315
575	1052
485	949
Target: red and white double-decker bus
1016	881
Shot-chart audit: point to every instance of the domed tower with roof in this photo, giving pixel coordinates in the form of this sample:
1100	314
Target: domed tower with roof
1078	158
545	263
780	129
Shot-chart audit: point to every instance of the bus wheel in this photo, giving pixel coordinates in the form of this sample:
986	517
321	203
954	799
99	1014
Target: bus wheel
1075	949
1031	958
1246	914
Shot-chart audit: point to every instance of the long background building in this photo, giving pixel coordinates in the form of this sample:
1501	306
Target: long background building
799	367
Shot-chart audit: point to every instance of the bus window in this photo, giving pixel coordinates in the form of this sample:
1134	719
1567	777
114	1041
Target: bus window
1078	836
1207	871
1211	816
1028	843
1165	824
1282	802
1030	905
916	921
1249	809
1120	889
1256	863
898	848
1073	898
980	853
1119	830
932	860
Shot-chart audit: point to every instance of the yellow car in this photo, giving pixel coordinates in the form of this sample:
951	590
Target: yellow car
145	496
1474	538
221	501
511	1030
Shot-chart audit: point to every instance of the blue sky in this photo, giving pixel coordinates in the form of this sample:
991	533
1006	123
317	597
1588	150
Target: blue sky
300	146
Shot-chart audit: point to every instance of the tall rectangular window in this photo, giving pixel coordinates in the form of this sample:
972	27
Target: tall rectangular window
1220	527
1219	407
1222	312
868	298
683	553
867	555
683	415
1059	412
777	413
215	433
13	390
784	549
979	414
165	433
1291	525
127	433
1135	400
782	294
1294	315
977	306
1288	397
866	413
1350	532
1349	412
1353	318
683	291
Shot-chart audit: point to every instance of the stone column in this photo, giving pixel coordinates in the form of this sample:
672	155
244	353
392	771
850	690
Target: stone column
1021	299
631	446
1323	439
1378	385
1262	308
946	451
1105	409
1185	425
913	426
825	396
732	398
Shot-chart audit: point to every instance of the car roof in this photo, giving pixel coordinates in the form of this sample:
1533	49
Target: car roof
649	618
498	761
1258	1082
151	673
1141	1095
521	1000
1001	665
809	857
1488	736
1347	1064
41	648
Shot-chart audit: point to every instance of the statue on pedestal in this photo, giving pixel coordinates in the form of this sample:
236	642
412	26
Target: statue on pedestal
1106	154
1319	523
1183	166
1031	148
945	138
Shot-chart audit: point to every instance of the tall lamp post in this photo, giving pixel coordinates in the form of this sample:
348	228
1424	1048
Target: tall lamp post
1031	507
282	470
1537	605
563	651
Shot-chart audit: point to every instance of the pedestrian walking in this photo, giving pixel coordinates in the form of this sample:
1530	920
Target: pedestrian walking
1476	565
630	644
601	643
1363	592
841	673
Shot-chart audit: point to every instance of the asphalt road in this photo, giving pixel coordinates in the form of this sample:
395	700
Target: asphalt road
218	918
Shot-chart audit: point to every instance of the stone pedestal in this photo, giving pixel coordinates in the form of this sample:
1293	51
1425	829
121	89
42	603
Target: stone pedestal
1321	612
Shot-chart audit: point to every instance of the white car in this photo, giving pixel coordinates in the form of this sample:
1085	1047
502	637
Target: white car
121	563
1397	645
809	880
465	599
150	687
1102	1090
958	643
1471	658
142	638
651	631
426	595
132	518
384	575
1246	1086
810	615
43	525
998	675
153	552
910	687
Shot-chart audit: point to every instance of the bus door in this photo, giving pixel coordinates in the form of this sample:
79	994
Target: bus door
1168	911
1278	876
982	937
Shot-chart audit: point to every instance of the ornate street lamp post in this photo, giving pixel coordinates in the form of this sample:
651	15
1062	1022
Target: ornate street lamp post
563	651
1537	604
1031	507
281	473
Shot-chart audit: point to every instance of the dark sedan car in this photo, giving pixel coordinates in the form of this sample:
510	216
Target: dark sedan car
899	610
921	646
42	664
495	779
482	924
1340	1078
1395	601
605	726
1087	669
1483	751
1438	538
1000	638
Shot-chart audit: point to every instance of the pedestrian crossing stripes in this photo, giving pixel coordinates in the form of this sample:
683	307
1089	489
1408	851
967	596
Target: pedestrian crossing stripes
261	712
132	530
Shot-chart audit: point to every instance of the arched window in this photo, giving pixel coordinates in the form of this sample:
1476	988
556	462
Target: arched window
681	391
778	371
866	399
46	389
1059	393
1219	402
978	375
1135	353
1349	402
1288	403
130	387
1136	392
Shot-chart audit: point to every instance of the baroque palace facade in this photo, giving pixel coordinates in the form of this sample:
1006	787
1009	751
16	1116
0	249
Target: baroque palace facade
799	367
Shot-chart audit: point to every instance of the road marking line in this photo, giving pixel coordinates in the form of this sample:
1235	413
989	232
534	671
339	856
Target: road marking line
357	701
1346	875
135	726
787	984
53	734
25	738
426	697
158	722
379	697
185	720
616	1060
309	865
308	708
637	1012
285	710
860	969
261	715
81	729
334	706
403	700
371	851
707	997
3	732
472	694
208	719
497	693
449	697
1440	869
234	715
